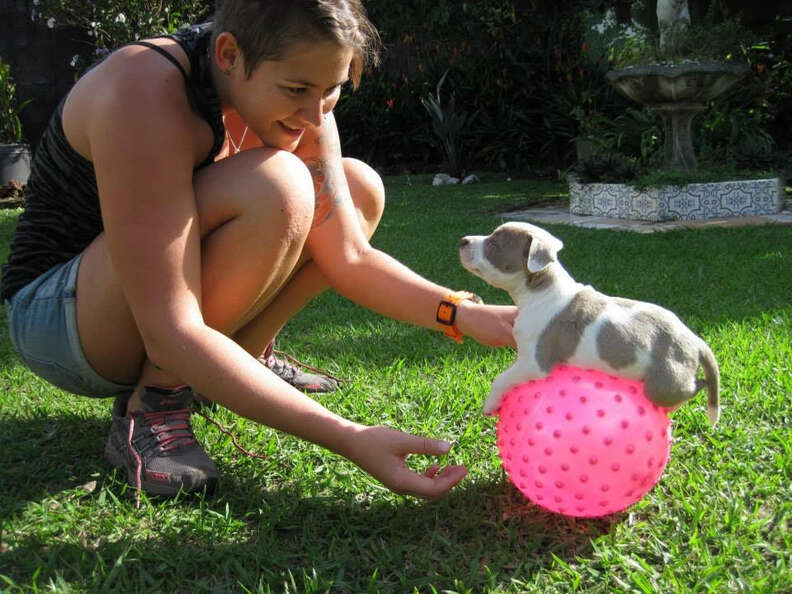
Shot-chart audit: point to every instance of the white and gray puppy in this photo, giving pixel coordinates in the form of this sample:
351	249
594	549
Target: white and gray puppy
562	321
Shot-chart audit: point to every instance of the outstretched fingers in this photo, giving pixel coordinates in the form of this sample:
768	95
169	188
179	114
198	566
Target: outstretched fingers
382	452
435	481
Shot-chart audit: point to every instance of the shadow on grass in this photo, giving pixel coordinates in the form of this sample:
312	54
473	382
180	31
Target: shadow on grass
408	344
481	535
67	452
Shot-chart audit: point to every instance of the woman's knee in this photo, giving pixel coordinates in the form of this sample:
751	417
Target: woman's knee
282	188
254	226
269	188
368	191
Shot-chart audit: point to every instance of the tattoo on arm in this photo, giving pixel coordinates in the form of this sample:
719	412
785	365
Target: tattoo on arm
325	190
323	159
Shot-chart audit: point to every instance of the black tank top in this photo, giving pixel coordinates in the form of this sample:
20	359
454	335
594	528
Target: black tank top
62	214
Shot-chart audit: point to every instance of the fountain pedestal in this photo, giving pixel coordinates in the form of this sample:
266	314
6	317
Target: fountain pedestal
678	133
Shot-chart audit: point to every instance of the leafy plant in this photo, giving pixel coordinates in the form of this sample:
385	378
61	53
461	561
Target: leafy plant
749	125
606	36
449	124
715	37
617	168
10	124
711	174
737	130
737	137
639	132
605	168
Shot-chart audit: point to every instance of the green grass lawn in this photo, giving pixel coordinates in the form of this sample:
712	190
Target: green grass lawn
305	520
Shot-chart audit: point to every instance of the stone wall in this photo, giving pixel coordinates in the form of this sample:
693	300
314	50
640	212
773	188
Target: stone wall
40	62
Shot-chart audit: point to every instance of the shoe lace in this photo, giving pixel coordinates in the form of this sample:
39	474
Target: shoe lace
171	430
138	461
233	437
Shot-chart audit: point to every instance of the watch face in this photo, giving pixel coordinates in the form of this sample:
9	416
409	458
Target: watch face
446	312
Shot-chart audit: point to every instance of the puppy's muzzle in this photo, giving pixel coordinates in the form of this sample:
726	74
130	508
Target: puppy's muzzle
466	253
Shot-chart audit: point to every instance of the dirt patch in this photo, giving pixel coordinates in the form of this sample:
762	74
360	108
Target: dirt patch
550	203
546	203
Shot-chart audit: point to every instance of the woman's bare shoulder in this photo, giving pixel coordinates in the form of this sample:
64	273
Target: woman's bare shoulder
133	88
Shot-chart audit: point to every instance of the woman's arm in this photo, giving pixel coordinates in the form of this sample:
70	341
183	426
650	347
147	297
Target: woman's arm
371	277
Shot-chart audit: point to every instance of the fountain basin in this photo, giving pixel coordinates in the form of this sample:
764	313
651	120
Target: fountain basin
687	82
695	201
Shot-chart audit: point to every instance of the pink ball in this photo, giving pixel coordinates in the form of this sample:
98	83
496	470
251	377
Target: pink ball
582	442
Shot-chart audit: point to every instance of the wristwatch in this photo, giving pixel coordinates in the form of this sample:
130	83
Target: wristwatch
447	310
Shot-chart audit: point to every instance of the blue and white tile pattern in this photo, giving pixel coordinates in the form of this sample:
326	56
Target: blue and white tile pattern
678	203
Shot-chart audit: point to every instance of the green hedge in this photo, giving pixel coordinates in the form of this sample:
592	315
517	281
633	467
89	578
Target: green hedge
516	72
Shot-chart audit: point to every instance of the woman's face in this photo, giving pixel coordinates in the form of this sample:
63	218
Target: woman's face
282	98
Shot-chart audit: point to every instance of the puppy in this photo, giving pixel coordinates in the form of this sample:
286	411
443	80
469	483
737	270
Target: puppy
563	321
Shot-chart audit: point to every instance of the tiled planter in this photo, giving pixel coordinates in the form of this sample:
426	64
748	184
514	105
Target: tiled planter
678	203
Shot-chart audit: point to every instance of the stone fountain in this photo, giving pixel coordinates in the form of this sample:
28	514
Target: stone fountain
678	92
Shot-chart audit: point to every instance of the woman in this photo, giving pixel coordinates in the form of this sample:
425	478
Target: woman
144	263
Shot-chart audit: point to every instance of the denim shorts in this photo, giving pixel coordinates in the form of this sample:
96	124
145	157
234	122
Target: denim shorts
42	323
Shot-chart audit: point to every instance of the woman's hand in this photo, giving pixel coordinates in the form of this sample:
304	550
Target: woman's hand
490	325
382	452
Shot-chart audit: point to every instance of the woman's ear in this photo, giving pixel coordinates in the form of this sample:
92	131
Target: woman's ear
227	54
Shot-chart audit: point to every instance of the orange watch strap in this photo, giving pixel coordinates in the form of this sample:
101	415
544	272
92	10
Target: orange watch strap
447	309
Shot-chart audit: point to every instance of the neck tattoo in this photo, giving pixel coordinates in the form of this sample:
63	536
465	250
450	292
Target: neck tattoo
237	147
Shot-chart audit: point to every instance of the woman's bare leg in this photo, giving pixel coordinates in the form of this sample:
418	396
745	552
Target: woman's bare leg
368	195
254	211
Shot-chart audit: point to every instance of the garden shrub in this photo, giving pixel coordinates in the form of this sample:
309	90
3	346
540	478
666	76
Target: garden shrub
10	124
518	66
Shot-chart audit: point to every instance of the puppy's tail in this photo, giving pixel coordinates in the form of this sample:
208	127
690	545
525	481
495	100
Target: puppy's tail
711	381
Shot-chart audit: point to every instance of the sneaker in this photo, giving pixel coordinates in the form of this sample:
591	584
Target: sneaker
157	445
307	382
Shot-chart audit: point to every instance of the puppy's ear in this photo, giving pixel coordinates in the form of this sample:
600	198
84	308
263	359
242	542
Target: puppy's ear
542	251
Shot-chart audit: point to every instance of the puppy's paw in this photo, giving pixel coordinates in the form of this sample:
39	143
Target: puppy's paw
492	404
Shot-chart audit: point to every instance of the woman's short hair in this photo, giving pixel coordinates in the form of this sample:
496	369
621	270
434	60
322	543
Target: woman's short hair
264	29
